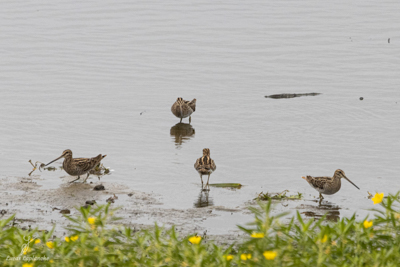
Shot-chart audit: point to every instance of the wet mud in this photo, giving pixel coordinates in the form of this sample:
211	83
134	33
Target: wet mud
37	206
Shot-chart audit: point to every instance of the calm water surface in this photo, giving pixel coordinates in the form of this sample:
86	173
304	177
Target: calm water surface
101	78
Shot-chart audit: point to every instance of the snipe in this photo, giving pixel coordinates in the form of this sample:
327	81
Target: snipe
183	108
327	185
205	166
78	166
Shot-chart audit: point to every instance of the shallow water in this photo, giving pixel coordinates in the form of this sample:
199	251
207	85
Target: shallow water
101	78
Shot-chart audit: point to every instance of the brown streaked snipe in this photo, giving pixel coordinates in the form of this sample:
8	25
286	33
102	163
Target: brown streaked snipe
183	108
78	166
205	166
327	185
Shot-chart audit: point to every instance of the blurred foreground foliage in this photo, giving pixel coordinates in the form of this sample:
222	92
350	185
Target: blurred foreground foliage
95	240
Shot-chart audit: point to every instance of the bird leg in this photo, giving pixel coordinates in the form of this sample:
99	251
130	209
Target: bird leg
201	181
75	179
320	196
208	183
86	177
180	121
190	119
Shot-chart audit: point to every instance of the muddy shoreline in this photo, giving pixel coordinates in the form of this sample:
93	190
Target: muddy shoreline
37	207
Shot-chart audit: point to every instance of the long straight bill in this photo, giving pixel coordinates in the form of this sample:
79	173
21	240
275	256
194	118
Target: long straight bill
54	160
352	183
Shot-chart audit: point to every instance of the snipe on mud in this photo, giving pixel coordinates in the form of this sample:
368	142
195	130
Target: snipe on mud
327	185
78	166
183	108
205	166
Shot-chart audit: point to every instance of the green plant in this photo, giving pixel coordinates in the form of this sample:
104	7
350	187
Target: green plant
95	240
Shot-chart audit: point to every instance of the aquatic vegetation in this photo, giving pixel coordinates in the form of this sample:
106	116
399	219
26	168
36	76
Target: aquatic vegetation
227	185
94	239
280	96
100	170
279	196
35	166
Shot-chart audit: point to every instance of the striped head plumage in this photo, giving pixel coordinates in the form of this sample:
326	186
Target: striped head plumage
67	153
206	152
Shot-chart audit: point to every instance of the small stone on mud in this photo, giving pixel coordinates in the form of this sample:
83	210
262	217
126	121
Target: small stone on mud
361	98
2	212
99	187
90	202
66	211
130	194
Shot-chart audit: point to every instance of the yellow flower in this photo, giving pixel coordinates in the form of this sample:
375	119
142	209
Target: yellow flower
228	257
377	198
91	220
270	255
245	257
167	260
257	235
37	241
96	249
51	261
324	239
27	265
368	224
195	239
74	237
66	238
50	244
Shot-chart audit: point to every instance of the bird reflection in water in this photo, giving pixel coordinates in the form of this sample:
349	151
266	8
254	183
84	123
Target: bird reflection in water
316	212
182	133
204	200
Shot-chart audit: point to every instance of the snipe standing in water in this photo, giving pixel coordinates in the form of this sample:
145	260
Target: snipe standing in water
327	185
183	108
78	166
205	166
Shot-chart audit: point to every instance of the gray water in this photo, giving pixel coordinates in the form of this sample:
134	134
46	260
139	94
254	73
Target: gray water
100	77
